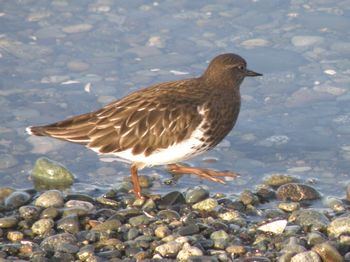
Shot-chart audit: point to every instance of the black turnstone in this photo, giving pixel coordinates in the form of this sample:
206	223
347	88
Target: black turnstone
165	123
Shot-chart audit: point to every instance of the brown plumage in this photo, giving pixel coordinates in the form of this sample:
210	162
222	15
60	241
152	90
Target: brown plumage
163	123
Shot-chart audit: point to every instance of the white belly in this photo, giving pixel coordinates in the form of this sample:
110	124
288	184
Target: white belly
173	154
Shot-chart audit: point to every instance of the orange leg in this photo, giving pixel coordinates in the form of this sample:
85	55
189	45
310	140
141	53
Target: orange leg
136	182
202	172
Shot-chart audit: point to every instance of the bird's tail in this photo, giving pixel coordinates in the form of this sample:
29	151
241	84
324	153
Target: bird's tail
36	130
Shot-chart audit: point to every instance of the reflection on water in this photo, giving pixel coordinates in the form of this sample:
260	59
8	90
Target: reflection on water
60	58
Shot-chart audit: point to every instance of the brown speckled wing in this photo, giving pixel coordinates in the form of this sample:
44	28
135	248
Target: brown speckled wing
143	121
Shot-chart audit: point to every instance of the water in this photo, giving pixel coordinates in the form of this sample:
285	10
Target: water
61	58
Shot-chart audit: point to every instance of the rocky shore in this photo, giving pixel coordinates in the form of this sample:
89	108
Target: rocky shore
275	222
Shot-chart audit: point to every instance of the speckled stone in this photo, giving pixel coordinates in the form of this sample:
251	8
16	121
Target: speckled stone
51	198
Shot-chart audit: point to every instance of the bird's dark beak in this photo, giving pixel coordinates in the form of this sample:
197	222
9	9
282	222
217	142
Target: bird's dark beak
251	73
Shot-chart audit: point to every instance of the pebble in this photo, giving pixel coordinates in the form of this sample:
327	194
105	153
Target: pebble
327	252
188	251
339	226
49	174
169	250
279	180
109	225
17	199
51	198
208	205
55	242
310	218
15	236
8	222
196	194
43	226
307	256
297	192
275	227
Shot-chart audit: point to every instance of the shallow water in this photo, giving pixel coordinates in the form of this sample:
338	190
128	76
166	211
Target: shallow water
61	58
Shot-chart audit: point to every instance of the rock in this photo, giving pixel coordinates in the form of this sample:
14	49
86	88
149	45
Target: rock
279	180
16	199
310	218
208	205
188	230
170	249
196	194
162	231
51	198
308	256
188	251
327	252
48	174
276	227
15	236
297	192
289	207
339	226
55	242
248	198
8	222
43	226
69	224
109	225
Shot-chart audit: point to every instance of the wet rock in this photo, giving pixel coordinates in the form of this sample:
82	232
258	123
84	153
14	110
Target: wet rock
170	249
17	199
314	238
279	180
15	236
29	213
289	207
168	215
230	216
196	194
50	212
8	222
339	226
5	192
139	220
334	203
86	252
248	198
56	242
208	205
276	227
188	251
162	231
236	249
48	174
43	226
69	224
327	252
310	218
109	225
297	192
51	198
172	199
188	230
87	206
308	256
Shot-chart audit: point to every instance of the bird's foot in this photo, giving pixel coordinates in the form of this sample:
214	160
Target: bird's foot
209	174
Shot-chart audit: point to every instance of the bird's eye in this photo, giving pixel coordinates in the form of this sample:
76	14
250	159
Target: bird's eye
241	67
